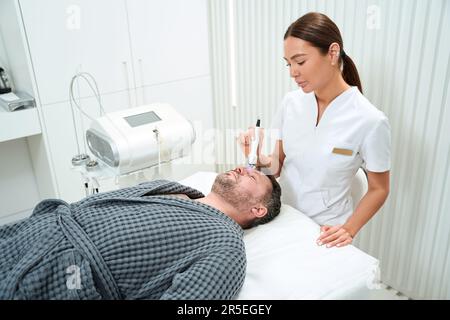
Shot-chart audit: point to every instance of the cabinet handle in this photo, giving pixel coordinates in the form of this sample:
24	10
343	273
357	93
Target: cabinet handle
141	74
125	66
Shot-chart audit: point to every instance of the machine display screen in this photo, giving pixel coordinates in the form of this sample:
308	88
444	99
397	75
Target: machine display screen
143	118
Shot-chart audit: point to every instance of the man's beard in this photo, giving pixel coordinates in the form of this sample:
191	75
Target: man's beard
227	188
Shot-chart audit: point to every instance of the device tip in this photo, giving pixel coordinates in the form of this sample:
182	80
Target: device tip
258	122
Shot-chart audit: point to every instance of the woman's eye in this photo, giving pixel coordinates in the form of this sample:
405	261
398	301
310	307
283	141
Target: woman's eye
299	63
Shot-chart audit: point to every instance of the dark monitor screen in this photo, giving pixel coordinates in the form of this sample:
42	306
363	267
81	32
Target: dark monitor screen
143	118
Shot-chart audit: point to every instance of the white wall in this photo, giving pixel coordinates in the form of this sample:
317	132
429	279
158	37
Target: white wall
402	52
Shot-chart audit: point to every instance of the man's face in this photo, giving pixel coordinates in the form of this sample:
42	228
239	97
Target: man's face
242	187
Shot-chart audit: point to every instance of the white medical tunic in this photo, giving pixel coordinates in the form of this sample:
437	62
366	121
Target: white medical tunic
322	160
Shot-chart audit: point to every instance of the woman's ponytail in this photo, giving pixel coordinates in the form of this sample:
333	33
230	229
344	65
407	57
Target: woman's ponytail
349	71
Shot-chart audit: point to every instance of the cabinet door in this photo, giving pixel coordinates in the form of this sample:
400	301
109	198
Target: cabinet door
169	40
68	36
193	99
18	192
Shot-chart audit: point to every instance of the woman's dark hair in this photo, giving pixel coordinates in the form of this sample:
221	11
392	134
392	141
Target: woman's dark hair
321	32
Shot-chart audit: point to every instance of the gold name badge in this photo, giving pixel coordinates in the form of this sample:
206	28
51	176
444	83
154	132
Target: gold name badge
345	152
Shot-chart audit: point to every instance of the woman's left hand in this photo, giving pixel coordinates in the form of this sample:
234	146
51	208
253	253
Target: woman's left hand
334	236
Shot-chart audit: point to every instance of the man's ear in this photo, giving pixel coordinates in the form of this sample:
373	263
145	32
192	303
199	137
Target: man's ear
259	212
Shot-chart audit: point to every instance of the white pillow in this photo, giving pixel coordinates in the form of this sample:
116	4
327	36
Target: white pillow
202	181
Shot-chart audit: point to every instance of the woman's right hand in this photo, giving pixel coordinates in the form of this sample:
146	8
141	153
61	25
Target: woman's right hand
245	140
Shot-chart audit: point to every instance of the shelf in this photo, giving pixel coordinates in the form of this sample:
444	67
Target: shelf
19	124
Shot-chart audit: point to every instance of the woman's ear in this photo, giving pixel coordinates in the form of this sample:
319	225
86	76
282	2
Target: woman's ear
259	212
333	53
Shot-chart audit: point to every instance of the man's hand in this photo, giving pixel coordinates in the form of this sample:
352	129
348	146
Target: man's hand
334	236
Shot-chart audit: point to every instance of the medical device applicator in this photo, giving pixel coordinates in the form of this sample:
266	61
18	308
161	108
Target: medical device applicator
253	156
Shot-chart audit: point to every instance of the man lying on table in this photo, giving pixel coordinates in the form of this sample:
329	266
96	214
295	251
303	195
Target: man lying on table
156	240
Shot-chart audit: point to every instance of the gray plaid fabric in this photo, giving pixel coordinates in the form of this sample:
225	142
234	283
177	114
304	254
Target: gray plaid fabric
132	243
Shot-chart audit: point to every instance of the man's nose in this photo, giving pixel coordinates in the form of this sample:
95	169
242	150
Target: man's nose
243	171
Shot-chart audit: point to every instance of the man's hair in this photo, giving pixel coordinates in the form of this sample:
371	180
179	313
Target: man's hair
272	200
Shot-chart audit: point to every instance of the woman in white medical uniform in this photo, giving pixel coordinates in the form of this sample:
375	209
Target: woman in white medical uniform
326	131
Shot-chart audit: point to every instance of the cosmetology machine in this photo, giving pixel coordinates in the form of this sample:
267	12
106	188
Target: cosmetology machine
131	140
137	138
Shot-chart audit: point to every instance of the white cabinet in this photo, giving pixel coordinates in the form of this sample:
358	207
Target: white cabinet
169	41
68	36
26	174
18	124
125	45
191	97
18	188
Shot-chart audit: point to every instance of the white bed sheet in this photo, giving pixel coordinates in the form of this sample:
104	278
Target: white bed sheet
284	262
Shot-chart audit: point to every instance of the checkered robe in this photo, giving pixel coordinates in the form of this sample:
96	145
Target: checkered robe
132	243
